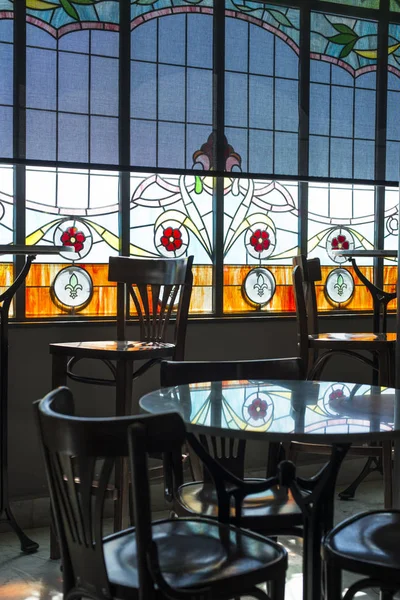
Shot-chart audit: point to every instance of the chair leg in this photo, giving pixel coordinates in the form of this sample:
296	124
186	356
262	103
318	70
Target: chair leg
333	583
55	553
386	594
276	589
123	407
387	474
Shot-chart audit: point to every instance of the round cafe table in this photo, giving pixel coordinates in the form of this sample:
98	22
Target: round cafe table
6	298
336	413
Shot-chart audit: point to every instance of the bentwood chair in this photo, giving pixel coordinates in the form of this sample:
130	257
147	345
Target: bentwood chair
271	513
158	290
191	559
316	349
366	544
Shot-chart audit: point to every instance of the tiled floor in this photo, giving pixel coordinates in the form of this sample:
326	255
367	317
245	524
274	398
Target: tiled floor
35	577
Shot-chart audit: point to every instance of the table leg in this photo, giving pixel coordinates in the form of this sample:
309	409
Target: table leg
123	407
318	509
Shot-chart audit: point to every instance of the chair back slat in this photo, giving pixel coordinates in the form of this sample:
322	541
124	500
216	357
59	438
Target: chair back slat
74	448
158	288
301	312
311	272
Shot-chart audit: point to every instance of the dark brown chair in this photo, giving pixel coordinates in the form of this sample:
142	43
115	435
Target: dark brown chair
191	559
316	349
367	544
270	513
158	289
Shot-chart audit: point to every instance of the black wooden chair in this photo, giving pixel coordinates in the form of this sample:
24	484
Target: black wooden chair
367	544
271	513
158	289
193	559
316	349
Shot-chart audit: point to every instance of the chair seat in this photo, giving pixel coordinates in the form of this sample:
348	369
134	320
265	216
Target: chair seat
355	341
367	542
195	554
112	350
259	511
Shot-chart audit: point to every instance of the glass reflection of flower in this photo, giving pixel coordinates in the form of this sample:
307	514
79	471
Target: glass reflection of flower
258	409
73	237
172	239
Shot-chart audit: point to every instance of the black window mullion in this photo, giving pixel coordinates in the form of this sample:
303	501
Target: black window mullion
219	158
304	121
381	135
124	141
19	142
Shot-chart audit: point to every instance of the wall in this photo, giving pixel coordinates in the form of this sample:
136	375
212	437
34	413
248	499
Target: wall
30	374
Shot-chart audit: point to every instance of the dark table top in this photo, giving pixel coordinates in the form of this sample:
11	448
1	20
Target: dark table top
368	253
33	250
320	412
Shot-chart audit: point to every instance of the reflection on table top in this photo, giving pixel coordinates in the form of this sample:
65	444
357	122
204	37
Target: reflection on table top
366	253
278	410
33	250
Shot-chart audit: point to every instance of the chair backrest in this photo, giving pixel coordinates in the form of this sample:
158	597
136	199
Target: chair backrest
77	452
158	288
311	272
229	452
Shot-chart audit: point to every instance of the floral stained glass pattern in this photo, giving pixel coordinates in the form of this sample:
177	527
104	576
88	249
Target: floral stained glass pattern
341	218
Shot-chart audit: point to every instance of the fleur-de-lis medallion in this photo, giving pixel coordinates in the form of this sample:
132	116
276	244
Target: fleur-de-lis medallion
340	285
261	286
73	286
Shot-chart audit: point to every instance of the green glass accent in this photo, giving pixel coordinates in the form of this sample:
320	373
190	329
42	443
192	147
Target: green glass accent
395	5
198	185
73	286
340	285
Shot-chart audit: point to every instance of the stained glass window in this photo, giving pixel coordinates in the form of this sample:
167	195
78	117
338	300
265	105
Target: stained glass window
360	3
395	5
6	84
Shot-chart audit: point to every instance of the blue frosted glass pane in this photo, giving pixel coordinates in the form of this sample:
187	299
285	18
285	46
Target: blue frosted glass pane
393	121
393	161
35	36
143	143
144	41
341	76
105	43
104	86
320	71
393	82
364	159
143	90
237	138
6	132
6	79
73	82
342	112
261	51
286	105
103	140
261	102
260	151
199	96
172	40
171	93
41	75
200	38
366	80
6	30
319	156
319	109
171	145
341	158
286	60
196	136
73	139
236	45
236	99
40	135
76	41
286	153
365	114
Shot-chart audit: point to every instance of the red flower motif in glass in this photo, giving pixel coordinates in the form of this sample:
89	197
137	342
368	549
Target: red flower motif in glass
73	237
171	239
260	240
336	395
340	243
257	409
